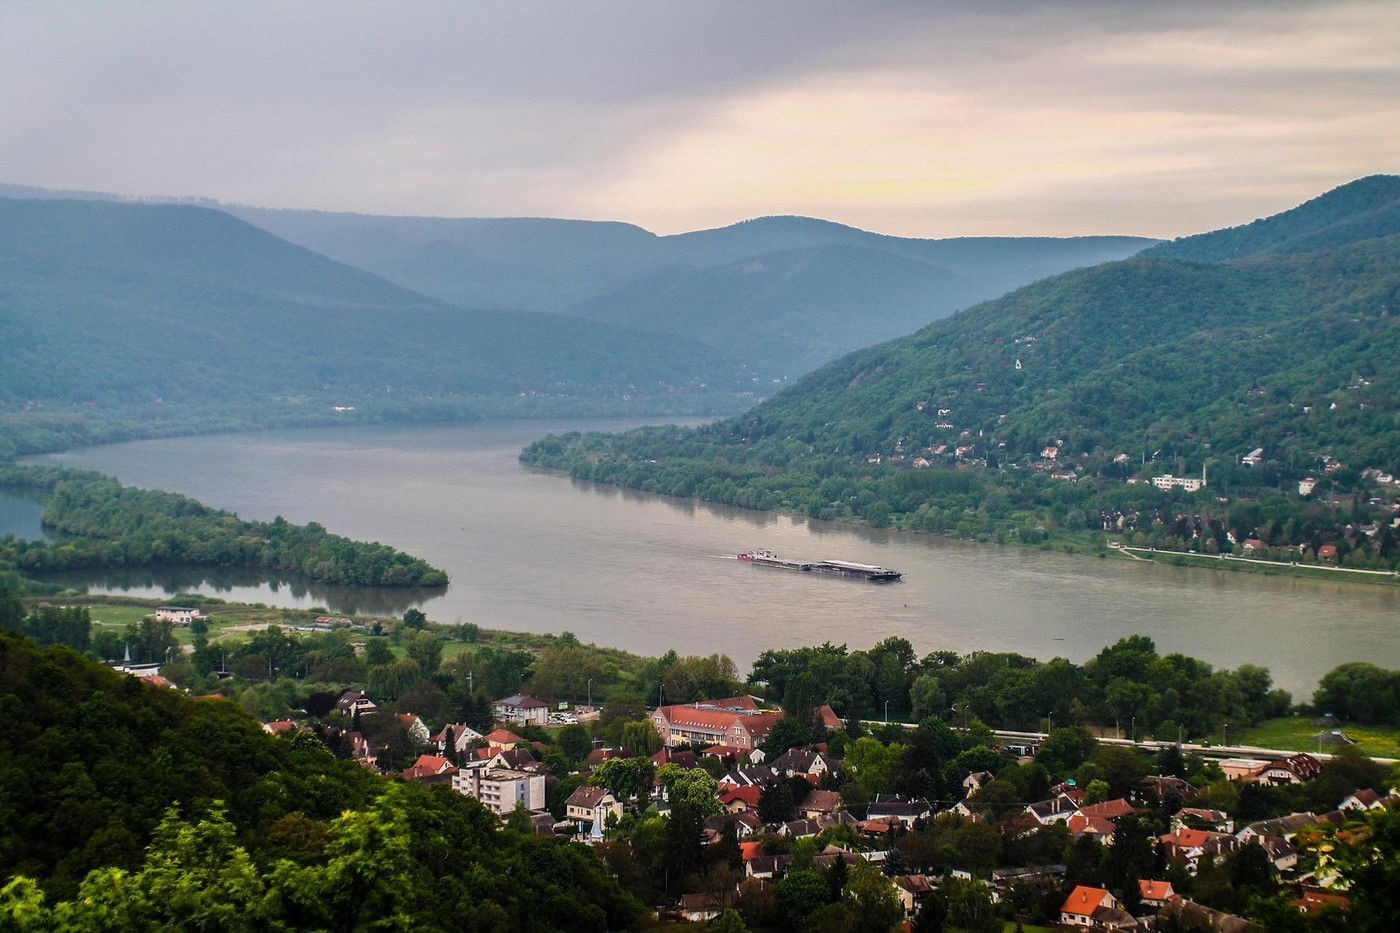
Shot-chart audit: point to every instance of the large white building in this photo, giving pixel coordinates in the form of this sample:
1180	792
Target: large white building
1167	481
500	789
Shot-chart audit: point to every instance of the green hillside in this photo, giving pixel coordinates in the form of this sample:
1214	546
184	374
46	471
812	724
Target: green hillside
129	806
1360	210
1129	369
107	309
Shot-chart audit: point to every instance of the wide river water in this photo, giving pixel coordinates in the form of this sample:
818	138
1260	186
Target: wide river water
532	551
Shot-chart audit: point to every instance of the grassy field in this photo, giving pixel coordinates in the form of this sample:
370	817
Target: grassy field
1296	733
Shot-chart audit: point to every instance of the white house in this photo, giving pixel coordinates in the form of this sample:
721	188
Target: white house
180	615
522	708
591	805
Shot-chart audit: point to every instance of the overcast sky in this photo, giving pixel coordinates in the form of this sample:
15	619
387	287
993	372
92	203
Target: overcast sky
918	118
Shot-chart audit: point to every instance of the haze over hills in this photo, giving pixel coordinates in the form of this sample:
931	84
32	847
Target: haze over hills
783	294
1181	361
113	304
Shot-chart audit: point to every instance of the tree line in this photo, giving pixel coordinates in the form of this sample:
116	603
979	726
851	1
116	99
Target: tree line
105	524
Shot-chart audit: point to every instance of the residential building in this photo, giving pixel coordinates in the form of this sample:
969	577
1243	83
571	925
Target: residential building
463	735
705	725
895	806
1190	484
1095	908
180	615
353	701
415	726
1295	769
1241	769
591	805
1307	485
1254	458
502	738
500	789
1155	893
819	802
521	708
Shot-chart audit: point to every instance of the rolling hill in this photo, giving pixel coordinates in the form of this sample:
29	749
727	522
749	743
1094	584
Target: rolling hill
784	293
107	305
1181	361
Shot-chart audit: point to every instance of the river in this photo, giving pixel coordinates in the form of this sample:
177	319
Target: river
532	551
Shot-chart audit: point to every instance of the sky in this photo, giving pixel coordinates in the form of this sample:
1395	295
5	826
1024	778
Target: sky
912	118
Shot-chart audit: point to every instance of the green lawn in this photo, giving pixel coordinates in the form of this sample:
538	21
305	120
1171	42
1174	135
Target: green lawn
1296	732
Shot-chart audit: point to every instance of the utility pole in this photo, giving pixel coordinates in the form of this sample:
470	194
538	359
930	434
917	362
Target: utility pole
590	692
887	712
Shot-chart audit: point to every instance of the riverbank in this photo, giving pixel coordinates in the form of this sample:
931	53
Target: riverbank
1265	567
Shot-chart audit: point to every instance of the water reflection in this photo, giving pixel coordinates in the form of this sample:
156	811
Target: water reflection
246	585
19	514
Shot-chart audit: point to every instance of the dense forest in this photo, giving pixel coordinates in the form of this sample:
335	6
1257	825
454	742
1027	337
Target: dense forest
126	806
105	524
1026	418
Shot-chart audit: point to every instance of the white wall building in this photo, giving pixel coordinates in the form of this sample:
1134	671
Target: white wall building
500	789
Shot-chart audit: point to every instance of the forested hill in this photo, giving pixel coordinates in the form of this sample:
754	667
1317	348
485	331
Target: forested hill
155	311
784	293
1171	361
1360	210
128	806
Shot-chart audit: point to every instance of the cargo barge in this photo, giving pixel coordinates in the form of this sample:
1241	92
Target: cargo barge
876	574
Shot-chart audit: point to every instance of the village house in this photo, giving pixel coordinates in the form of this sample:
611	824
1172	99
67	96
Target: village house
1364	799
1285	826
1095	908
912	890
1205	819
1155	894
591	805
745	823
1096	827
1158	788
522	709
353	701
735	799
895	806
1057	809
805	761
415	726
1295	769
279	727
1188	845
819	802
429	766
462	735
502	738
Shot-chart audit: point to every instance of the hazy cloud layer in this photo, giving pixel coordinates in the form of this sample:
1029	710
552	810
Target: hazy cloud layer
917	118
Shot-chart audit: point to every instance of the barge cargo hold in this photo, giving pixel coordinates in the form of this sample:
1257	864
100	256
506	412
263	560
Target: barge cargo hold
843	568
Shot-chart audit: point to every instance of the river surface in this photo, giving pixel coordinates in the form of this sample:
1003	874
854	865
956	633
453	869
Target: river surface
533	551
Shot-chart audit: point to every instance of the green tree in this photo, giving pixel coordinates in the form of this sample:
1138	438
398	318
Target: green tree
641	738
799	894
873	899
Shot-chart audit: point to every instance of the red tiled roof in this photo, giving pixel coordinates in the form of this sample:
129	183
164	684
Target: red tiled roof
1093	825
749	795
748	850
1155	890
503	736
1186	838
1084	900
1109	809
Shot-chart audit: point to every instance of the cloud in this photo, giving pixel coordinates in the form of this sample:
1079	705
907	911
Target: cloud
929	119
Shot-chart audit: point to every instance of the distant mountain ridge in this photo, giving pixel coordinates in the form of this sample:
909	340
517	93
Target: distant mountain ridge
825	288
173	308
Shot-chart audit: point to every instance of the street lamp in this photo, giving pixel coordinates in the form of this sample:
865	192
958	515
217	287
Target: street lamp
590	692
887	712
